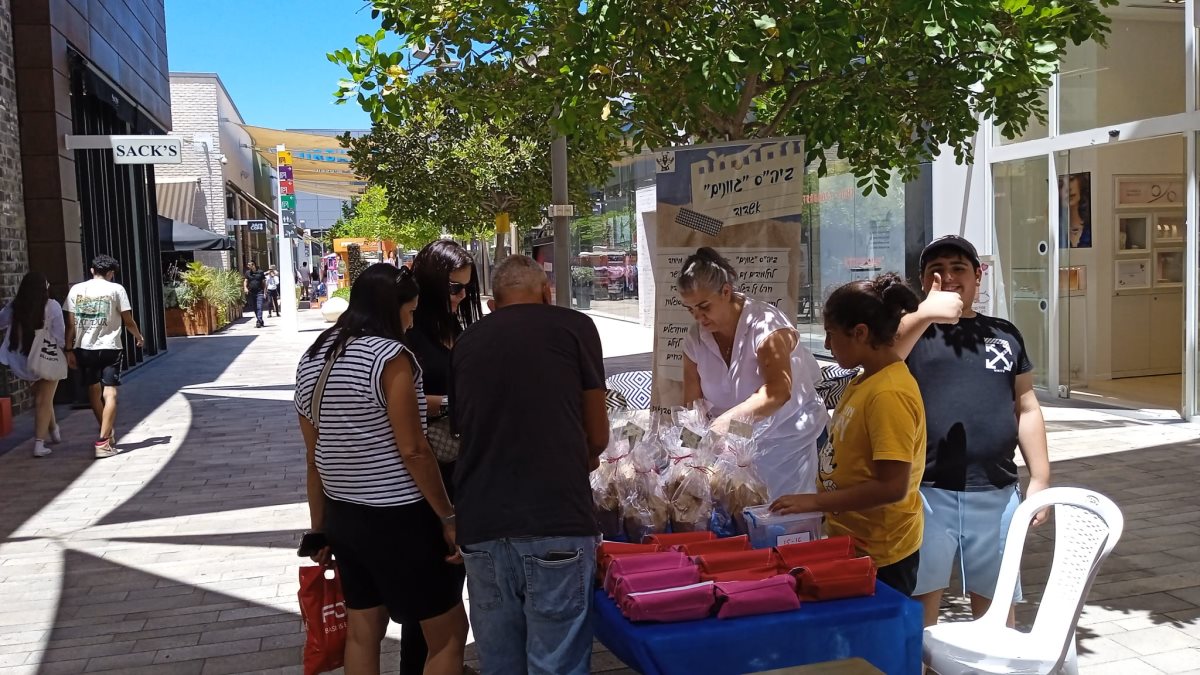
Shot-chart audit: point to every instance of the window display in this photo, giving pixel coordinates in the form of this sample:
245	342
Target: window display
1133	233
1168	268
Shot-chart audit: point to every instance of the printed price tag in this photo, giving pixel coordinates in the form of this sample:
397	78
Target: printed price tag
741	429
690	439
633	432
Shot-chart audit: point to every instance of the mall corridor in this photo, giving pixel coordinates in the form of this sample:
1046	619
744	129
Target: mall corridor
178	555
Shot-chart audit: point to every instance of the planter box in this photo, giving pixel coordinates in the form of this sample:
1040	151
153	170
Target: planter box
176	322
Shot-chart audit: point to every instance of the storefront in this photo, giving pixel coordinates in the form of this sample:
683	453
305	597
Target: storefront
843	235
1088	223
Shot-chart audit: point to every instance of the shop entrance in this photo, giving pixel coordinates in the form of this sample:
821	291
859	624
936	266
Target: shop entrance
1090	267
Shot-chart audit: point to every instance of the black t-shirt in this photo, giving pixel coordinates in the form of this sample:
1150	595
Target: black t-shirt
434	358
517	379
967	373
256	280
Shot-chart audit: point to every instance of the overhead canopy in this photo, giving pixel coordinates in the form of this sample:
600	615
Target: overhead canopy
176	236
320	164
181	199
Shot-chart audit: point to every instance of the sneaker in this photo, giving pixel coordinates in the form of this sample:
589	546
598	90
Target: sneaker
55	434
40	449
104	448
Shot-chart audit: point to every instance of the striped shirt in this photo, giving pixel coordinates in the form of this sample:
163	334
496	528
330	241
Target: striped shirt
357	456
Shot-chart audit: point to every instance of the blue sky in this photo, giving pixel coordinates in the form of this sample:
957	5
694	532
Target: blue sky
271	55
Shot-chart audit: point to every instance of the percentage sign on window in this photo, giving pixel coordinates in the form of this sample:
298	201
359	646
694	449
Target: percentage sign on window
1158	192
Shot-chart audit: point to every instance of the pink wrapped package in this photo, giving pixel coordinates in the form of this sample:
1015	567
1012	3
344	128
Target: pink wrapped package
650	562
686	603
655	581
748	598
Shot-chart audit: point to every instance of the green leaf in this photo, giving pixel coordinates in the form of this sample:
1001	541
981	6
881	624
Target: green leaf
733	57
934	30
764	22
1045	48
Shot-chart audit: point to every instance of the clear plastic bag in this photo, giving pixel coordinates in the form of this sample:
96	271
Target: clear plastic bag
606	487
644	507
687	484
736	483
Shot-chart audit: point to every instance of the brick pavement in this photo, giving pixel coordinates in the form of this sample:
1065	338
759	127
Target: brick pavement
177	556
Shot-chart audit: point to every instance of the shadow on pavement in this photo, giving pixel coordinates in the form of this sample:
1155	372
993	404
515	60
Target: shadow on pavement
188	362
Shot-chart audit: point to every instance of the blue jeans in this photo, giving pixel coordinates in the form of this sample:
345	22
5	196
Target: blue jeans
257	302
531	604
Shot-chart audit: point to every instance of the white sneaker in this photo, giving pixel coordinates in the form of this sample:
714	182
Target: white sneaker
40	449
55	434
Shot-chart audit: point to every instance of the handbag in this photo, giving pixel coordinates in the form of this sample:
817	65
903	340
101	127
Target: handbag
442	440
749	598
46	361
323	612
836	579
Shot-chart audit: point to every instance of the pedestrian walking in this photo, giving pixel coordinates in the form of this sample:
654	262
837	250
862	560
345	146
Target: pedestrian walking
870	470
527	394
374	490
98	314
976	380
273	291
744	356
449	303
30	311
254	285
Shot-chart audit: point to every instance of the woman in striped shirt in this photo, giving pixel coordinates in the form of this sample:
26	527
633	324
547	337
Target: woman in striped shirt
374	489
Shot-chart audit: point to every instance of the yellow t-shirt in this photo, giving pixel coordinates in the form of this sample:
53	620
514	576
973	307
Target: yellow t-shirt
880	417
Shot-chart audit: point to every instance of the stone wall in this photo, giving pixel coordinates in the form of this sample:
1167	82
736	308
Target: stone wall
14	261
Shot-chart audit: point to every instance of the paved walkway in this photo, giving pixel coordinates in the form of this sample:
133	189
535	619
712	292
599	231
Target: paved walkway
177	556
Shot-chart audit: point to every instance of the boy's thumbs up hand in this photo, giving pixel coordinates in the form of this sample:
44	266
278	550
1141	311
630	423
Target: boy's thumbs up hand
941	306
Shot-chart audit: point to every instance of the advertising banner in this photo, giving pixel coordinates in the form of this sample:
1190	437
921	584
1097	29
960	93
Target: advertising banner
287	194
745	199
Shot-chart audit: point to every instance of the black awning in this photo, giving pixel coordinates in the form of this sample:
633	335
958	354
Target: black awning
176	236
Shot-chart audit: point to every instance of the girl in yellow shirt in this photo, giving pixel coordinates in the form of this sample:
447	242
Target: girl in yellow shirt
870	471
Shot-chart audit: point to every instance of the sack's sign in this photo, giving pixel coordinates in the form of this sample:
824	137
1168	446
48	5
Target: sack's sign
147	150
151	149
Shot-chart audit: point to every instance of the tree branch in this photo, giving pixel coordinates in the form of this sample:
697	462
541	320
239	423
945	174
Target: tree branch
789	103
749	92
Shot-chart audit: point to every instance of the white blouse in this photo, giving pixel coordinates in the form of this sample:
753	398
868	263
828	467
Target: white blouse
799	423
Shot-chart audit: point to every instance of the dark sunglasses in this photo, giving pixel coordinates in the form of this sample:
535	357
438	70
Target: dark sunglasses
456	288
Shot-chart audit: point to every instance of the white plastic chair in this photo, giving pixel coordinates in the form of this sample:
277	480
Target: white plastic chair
1088	525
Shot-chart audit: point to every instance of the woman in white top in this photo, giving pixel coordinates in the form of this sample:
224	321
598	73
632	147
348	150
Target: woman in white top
31	310
744	356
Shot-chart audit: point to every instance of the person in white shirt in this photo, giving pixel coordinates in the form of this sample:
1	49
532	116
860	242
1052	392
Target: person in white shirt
273	291
98	312
744	356
31	310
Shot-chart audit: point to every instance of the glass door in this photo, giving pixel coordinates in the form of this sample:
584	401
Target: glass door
1022	261
1076	243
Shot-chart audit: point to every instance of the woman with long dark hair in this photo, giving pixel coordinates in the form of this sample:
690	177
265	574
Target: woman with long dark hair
445	272
374	490
33	309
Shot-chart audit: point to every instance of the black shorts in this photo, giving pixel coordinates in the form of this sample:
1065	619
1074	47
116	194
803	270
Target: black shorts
393	556
100	366
902	574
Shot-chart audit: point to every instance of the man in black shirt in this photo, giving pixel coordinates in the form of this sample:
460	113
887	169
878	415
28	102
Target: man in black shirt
527	386
976	381
254	285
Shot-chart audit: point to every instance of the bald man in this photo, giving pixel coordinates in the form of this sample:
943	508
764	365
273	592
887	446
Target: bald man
527	395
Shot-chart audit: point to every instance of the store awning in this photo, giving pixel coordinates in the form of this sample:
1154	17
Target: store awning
176	236
181	199
320	165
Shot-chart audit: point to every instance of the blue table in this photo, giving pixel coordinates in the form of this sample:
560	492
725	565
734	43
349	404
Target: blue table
886	630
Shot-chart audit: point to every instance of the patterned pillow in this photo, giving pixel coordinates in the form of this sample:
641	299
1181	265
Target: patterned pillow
633	386
834	380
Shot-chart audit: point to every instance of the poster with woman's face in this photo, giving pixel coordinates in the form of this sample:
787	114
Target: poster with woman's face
1075	210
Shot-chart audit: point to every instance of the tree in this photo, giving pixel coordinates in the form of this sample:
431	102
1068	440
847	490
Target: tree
886	84
368	216
461	168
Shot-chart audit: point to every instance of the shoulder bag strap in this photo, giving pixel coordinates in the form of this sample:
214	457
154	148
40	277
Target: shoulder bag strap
319	389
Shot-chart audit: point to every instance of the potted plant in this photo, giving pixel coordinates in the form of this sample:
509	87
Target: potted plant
581	281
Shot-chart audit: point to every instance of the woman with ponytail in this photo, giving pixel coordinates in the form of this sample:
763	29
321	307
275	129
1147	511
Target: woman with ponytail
870	470
744	356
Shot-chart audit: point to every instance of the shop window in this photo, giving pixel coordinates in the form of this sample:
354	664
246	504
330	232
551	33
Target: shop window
1138	74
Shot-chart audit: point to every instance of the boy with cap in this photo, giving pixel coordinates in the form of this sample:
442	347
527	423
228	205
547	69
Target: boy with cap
976	381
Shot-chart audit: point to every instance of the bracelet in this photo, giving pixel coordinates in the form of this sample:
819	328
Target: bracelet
446	520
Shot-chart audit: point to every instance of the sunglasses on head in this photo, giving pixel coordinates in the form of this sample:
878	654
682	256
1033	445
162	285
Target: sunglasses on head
456	288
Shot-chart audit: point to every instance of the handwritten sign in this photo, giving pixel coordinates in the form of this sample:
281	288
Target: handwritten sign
754	183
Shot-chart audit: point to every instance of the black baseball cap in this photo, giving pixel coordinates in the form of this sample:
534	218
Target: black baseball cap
949	241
